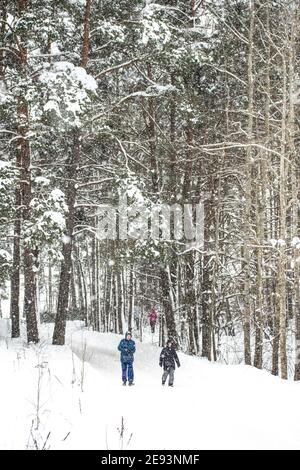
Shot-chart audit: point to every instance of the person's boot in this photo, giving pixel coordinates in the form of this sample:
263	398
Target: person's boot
131	383
124	383
170	385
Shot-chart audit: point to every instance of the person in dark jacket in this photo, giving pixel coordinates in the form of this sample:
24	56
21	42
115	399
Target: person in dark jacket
127	350
168	358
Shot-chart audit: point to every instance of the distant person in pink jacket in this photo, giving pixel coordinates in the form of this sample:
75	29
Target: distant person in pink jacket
153	319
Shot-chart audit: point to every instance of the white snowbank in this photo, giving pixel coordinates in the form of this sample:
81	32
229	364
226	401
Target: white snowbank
4	327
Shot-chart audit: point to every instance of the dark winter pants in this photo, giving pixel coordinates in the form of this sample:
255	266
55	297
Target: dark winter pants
127	371
152	324
168	372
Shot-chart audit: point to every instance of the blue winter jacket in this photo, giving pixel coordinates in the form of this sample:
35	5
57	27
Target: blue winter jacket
127	349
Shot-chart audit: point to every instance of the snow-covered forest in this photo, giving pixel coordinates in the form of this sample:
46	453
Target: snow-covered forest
162	104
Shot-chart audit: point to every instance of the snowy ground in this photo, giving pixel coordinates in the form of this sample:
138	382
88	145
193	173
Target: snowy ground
80	400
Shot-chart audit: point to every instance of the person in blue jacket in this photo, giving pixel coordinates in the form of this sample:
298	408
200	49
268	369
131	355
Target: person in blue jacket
127	349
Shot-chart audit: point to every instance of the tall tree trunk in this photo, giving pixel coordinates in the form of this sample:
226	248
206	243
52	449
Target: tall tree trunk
97	268
248	225
86	34
94	300
3	20
80	285
214	284
260	198
281	281
66	267
30	254
295	184
74	310
15	278
131	296
206	286
169	314
190	299
150	122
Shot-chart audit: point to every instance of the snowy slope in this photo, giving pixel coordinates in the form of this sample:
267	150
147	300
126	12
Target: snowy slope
82	400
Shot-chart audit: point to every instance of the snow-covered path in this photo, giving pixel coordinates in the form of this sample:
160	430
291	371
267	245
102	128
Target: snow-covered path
211	406
82	400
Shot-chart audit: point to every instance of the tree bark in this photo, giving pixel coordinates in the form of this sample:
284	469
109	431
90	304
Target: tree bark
15	278
281	281
30	254
248	195
66	267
